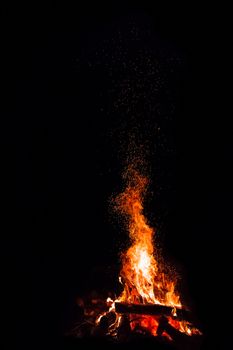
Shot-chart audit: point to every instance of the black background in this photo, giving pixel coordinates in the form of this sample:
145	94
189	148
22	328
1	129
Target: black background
62	137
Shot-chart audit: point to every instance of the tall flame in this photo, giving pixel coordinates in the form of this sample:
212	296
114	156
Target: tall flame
142	273
143	280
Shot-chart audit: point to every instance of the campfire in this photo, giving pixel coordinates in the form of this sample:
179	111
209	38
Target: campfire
149	304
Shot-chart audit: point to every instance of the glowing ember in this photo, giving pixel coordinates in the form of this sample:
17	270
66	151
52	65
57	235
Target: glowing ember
141	274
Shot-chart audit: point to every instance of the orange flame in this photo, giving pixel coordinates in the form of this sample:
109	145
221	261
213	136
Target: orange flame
142	275
143	281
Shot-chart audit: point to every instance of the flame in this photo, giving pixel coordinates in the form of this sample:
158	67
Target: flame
143	280
142	275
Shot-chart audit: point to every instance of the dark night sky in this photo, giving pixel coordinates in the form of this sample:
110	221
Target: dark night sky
79	79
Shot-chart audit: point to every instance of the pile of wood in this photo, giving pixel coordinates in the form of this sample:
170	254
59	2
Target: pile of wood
86	326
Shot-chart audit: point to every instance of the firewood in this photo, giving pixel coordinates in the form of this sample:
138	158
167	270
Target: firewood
153	310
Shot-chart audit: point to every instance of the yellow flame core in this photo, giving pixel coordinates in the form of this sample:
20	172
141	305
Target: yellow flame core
143	281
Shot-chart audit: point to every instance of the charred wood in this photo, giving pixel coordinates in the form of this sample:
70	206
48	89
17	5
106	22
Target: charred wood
153	310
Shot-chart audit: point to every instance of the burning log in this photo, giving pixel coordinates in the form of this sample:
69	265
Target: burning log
182	340
124	329
153	310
